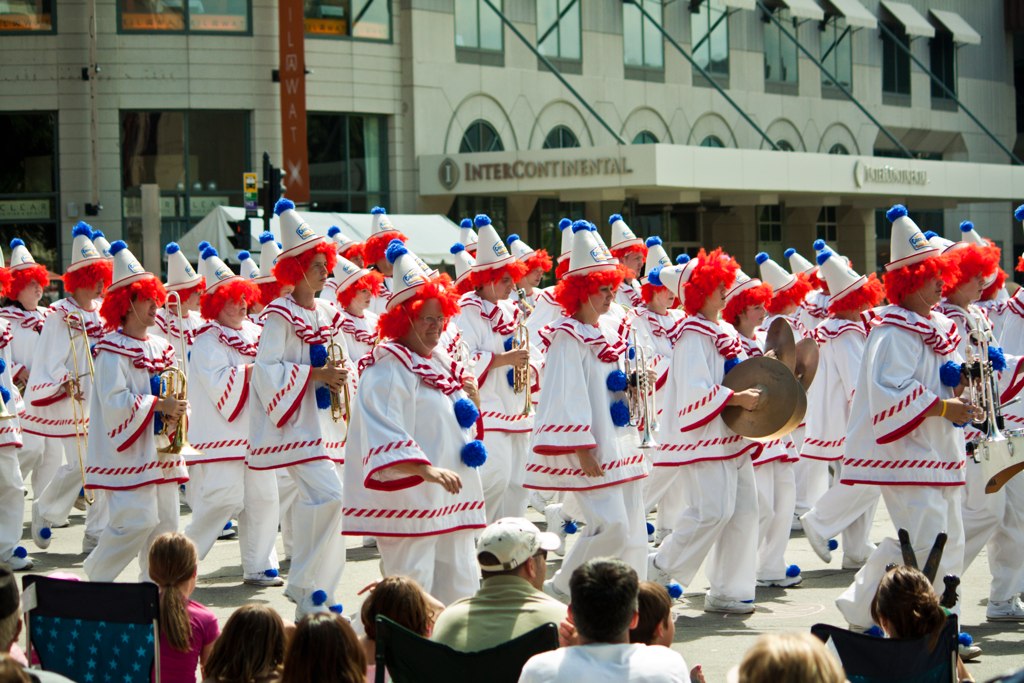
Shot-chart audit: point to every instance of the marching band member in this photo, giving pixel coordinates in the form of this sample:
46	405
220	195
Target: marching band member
468	237
814	308
48	421
585	445
463	267
141	486
841	338
220	372
545	308
99	240
344	245
713	465
381	234
263	276
537	263
289	427
183	279
993	299
413	481
249	271
355	289
12	486
901	433
488	321
631	252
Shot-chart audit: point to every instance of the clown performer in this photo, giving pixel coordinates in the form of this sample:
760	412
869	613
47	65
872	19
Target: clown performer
413	480
99	240
586	445
841	339
902	435
631	252
537	262
468	237
141	485
814	308
344	245
355	289
381	234
263	277
48	422
188	285
545	308
290	425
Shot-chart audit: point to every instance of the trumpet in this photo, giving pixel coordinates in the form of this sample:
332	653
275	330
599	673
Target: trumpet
174	383
75	389
341	402
521	341
643	409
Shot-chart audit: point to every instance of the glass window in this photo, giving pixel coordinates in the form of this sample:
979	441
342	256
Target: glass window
542	227
481	137
199	16
827	226
709	37
477	26
712	141
558	29
367	19
643	44
348	170
837	53
561	137
943	54
780	65
645	137
895	62
28	184
838	149
23	16
769	224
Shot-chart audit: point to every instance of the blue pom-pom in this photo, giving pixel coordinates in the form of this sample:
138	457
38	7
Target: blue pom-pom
97	233
616	381
466	223
651	241
875	632
317	355
591	227
20	552
631	352
789	252
474	453
949	374
654	277
580	226
792	571
466	413
457	247
266	237
5	394
760	258
897	211
929	234
202	245
208	253
995	354
570	527
511	377
117	247
323	398
337	608
481	220
1018	213
620	413
333	230
154	385
508	343
17	242
818	245
319	597
82	229
564	223
675	591
279	245
3	366
394	250
271	573
966	226
823	255
965	639
512	238
45	532
378	211
833	544
730	363
283	205
244	256
682	259
227	527
650	528
614	217
172	248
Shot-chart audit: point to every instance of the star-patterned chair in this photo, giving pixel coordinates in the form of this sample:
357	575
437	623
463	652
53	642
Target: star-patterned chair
93	632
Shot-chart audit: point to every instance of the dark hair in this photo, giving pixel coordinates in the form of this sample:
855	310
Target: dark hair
604	598
251	645
324	649
907	602
401	600
655	607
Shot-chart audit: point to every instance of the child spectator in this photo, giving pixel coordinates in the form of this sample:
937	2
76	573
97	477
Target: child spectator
250	649
324	649
656	625
404	602
789	657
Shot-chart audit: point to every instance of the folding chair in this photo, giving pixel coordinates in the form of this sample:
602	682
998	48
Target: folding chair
93	632
410	658
868	659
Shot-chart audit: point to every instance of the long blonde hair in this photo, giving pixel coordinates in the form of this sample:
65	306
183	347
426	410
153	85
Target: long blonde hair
172	562
790	657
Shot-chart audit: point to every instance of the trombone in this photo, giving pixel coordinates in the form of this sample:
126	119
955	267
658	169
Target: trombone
341	401
643	409
75	389
521	341
174	382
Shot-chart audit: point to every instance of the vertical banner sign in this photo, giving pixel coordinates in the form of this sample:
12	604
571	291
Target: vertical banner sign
295	167
250	194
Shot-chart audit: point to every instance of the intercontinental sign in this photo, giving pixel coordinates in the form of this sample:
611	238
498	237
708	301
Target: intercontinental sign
887	175
449	172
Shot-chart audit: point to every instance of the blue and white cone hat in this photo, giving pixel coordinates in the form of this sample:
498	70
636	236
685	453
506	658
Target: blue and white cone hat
565	251
463	262
296	234
589	254
940	242
674	277
346	273
841	278
180	273
269	251
467	236
99	240
83	251
341	241
127	268
774	274
742	283
21	258
379	221
656	257
907	244
214	269
491	251
248	268
520	249
622	236
797	263
408	277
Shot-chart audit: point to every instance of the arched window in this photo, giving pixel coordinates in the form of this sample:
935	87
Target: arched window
838	149
784	146
645	137
480	137
712	141
560	137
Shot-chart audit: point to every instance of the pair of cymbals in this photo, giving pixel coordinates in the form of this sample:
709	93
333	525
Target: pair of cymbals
800	357
781	405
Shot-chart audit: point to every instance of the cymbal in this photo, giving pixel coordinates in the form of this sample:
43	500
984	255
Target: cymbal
806	362
780	340
778	406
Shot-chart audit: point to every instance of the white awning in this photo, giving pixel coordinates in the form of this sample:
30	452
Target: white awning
856	14
740	4
804	9
912	21
955	24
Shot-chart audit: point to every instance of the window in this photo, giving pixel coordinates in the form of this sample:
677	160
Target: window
780	65
642	43
366	19
838	149
477	26
712	141
827	226
561	137
558	29
895	62
542	227
470	205
180	16
645	137
480	137
769	224
27	16
709	37
348	162
943	53
28	184
837	53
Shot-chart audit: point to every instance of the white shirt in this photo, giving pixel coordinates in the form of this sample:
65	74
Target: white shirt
597	663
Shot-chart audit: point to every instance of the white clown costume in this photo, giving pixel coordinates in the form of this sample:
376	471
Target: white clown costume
343	243
180	277
814	308
360	330
12	486
381	234
622	238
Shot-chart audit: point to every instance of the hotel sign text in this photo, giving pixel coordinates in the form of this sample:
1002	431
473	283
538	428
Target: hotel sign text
449	172
887	175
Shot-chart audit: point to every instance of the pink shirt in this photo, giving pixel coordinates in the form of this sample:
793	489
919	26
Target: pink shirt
180	667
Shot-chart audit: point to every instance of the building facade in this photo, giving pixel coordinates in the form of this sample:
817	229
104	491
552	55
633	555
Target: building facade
752	124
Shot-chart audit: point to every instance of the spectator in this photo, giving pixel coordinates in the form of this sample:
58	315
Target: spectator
656	624
187	628
250	649
404	602
11	671
512	554
789	657
324	649
10	628
603	608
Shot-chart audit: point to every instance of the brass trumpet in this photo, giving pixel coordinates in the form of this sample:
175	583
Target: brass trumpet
643	409
75	389
521	341
341	402
174	383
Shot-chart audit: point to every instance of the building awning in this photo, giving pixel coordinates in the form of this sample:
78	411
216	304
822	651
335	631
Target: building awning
804	9
914	24
856	14
962	32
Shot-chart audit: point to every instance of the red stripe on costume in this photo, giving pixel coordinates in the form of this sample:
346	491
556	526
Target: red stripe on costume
908	427
578	472
131	418
414	513
229	443
384	448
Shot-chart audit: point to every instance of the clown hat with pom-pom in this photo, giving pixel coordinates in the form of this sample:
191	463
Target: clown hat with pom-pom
774	274
248	270
408	276
296	234
180	273
21	258
673	277
127	268
379	221
341	241
83	251
939	242
269	253
742	283
565	251
656	256
346	273
797	263
99	240
463	262
907	244
214	269
589	254
841	278
622	236
467	236
491	251
969	235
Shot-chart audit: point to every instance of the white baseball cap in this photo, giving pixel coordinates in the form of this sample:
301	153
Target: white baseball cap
513	540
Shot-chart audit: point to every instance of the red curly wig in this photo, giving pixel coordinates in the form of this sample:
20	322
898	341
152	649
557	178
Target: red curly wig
794	296
563	267
354	253
647	291
212	303
186	293
291	269
712	270
814	279
6	287
1020	264
370	282
397	322
571	292
269	291
376	245
972	261
516	269
760	294
993	289
625	251
87	276
464	286
867	296
540	259
22	276
117	303
902	282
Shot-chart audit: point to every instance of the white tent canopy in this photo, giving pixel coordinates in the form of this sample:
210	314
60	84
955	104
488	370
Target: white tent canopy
430	235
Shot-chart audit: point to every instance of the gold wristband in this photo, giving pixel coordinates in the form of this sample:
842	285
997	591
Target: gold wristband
943	413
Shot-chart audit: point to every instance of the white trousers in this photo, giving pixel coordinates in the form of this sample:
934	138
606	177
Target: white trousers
56	499
318	548
719	523
616	527
137	517
12	502
444	565
503	474
990	520
40	457
850	511
220	490
811	482
287	494
925	512
656	485
776	500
